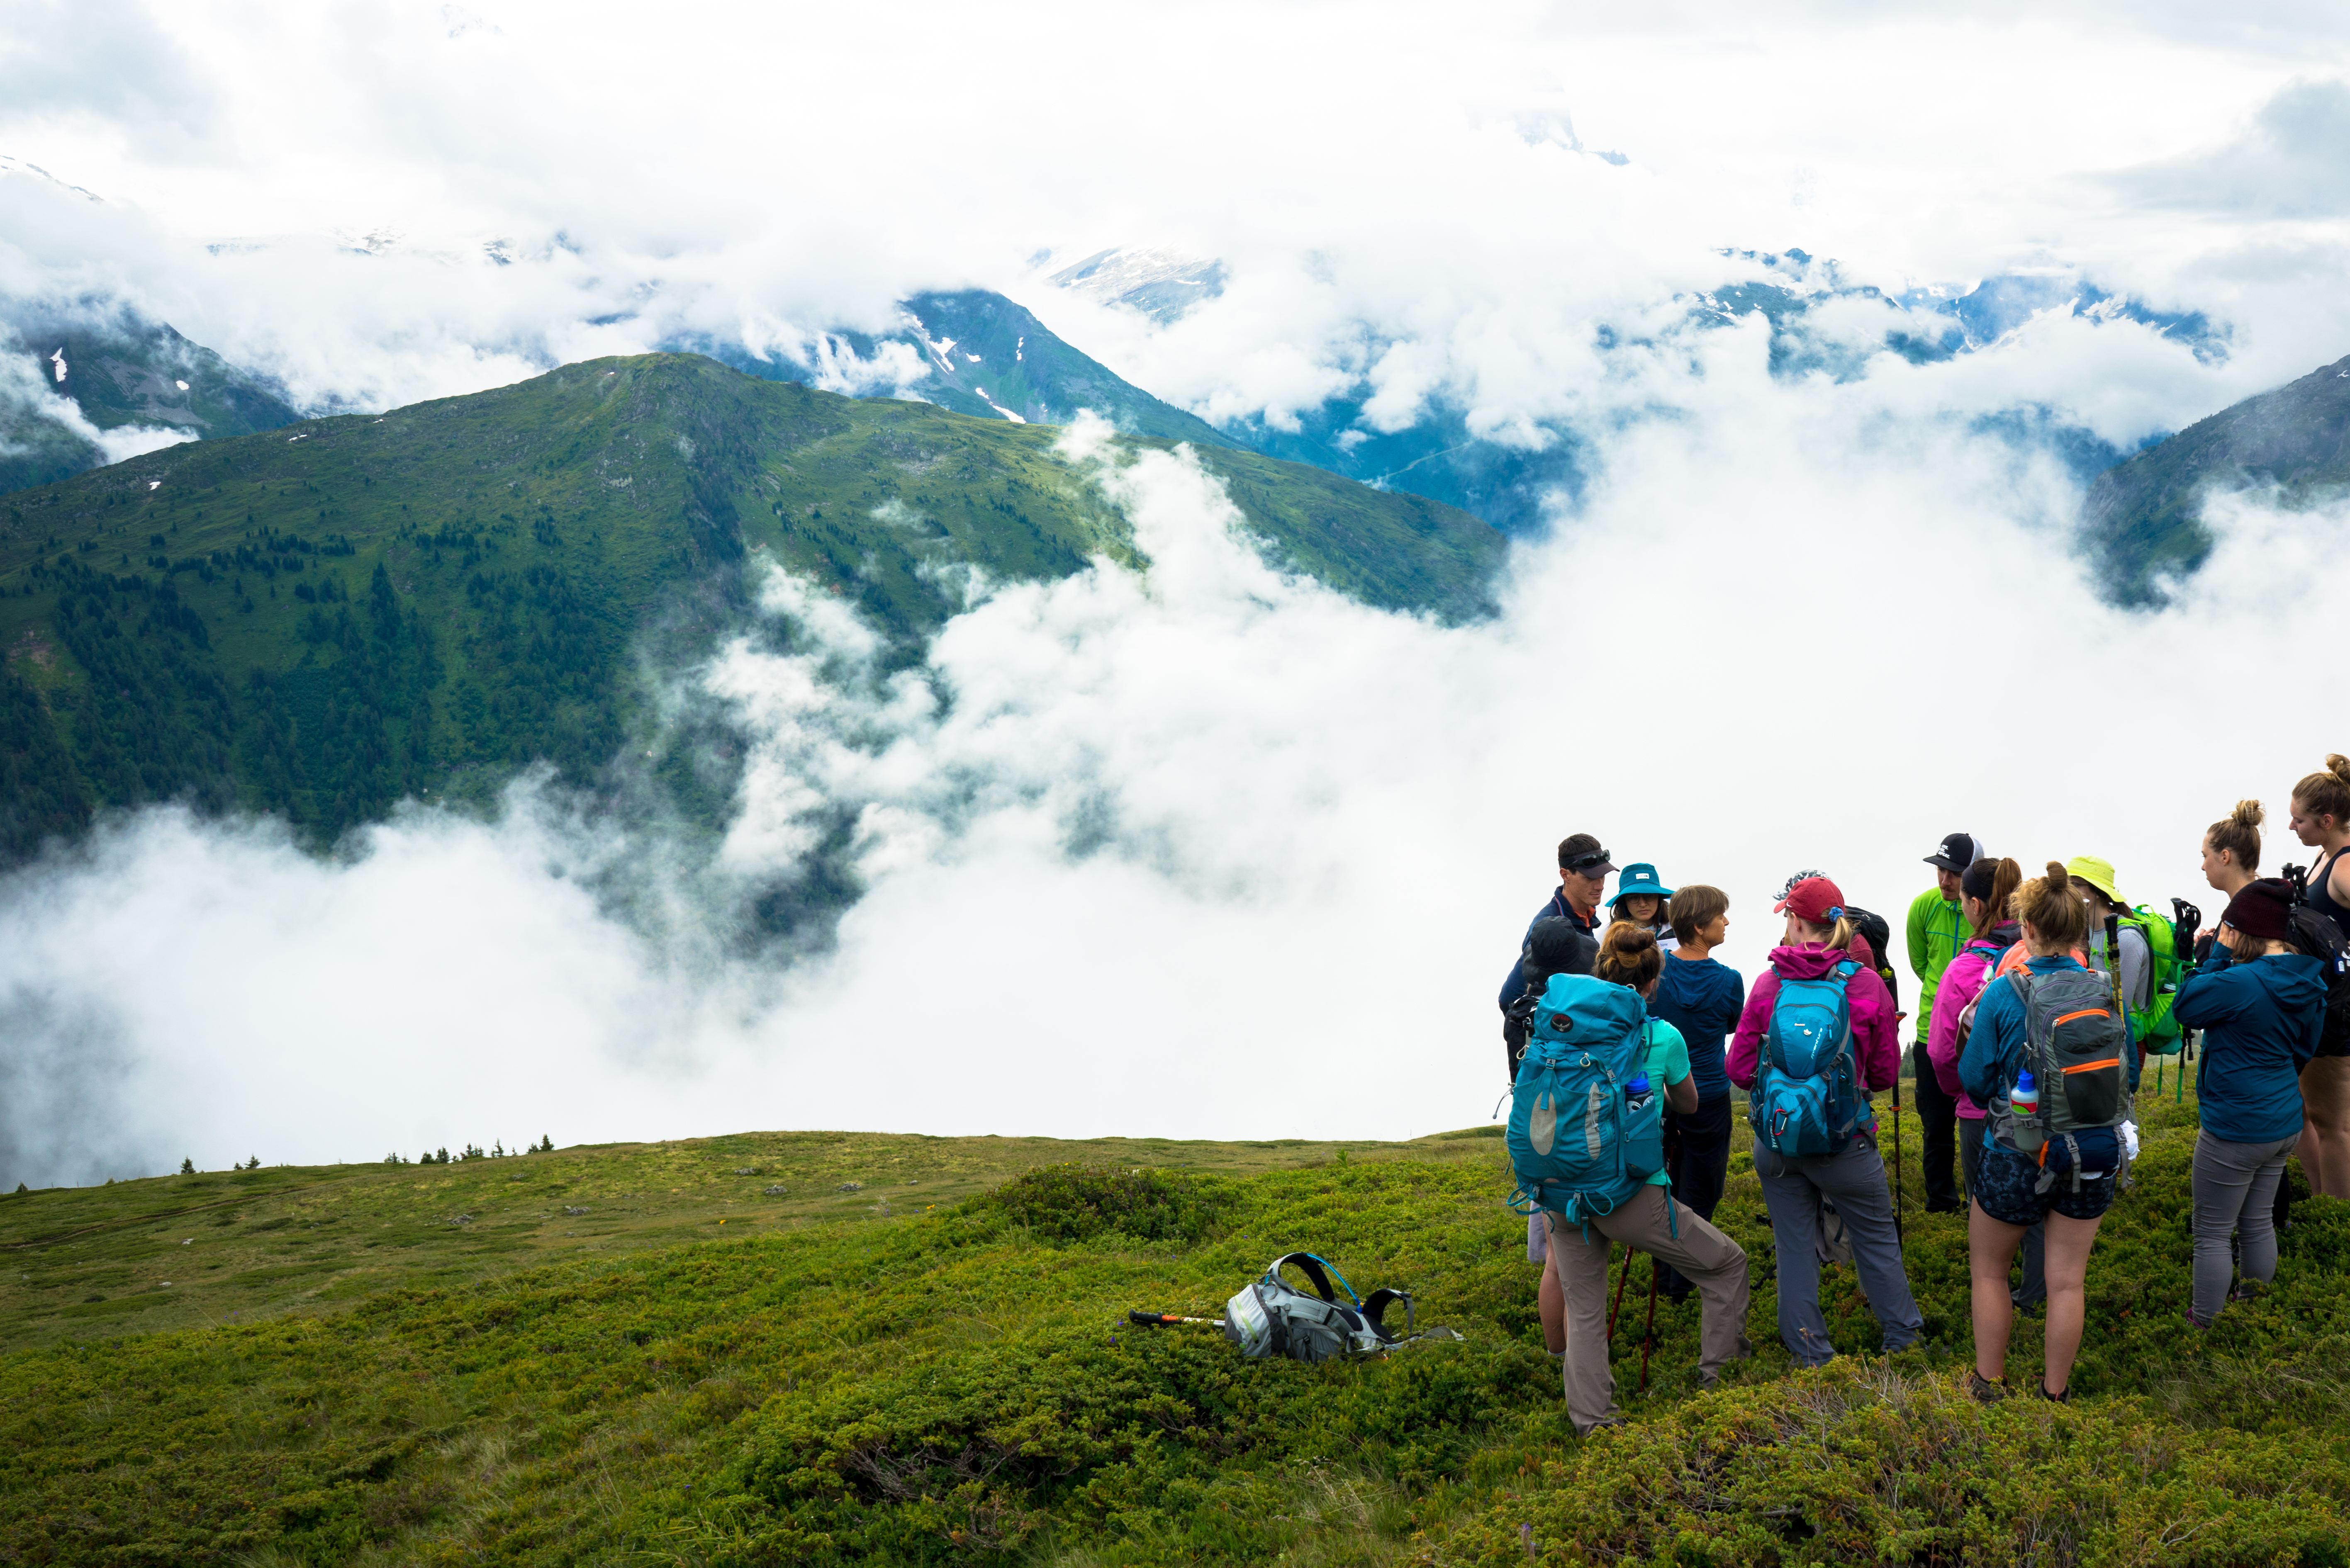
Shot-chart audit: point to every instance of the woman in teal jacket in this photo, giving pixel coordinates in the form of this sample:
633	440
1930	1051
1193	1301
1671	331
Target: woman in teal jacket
2261	1005
2007	1198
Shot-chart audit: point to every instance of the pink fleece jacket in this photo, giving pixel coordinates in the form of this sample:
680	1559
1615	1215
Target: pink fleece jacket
1961	982
1875	1030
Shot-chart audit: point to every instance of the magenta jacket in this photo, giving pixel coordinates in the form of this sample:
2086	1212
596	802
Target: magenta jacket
1961	983
1876	1046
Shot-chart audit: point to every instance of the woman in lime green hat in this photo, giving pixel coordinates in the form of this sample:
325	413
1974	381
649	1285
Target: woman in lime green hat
2093	880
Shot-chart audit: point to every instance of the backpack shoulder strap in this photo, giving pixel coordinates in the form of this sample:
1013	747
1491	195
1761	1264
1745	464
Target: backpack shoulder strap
1375	1308
1313	1267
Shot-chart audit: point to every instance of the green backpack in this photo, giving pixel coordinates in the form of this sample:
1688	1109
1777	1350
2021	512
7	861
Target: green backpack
2152	1026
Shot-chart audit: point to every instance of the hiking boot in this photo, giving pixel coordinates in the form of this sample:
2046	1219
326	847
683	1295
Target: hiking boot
2194	1322
1983	1390
2064	1398
2247	1291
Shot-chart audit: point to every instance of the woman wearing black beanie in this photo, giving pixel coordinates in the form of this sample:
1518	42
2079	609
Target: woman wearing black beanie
2260	1004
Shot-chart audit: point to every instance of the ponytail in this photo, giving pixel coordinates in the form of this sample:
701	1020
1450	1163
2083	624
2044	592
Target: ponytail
2048	904
1628	955
1993	883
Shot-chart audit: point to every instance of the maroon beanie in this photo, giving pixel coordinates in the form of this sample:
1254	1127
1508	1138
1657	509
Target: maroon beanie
2261	909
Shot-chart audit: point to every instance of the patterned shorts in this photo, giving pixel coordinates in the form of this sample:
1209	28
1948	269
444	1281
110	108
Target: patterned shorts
2005	1183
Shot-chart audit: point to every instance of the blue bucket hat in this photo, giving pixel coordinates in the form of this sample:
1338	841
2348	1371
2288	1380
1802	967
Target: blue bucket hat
1639	877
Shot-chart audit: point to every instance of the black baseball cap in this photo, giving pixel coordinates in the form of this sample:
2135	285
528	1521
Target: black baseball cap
1959	851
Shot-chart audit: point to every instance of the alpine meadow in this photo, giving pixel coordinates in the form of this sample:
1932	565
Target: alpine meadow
772	780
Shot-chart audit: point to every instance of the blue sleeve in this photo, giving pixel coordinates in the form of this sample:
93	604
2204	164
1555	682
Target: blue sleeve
1982	1065
2208	997
1514	986
2305	1046
1733	998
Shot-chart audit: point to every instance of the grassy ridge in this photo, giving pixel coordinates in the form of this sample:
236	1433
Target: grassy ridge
321	619
948	1383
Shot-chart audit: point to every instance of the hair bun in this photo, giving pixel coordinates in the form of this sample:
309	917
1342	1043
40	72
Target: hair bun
2248	814
2338	766
2057	876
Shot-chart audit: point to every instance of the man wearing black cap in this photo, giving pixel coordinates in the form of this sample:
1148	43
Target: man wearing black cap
1937	930
1583	871
1564	936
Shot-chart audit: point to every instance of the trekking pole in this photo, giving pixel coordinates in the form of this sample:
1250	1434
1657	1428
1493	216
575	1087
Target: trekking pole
1622	1275
1160	1319
1648	1335
1899	1019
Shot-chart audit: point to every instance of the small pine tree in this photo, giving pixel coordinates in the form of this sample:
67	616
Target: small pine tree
498	1149
187	1167
444	1157
546	1143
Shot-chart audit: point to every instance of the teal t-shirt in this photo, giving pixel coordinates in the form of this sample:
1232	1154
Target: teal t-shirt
1668	1063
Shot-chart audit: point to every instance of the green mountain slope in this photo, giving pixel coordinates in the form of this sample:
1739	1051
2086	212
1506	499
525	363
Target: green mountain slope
319	621
119	369
985	356
2144	515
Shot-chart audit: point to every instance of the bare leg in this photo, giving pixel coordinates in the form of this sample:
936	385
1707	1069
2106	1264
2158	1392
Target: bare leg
1551	1300
2069	1241
1990	1248
2325	1128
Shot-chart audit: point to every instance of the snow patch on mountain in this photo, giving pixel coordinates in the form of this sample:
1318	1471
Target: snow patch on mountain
1157	280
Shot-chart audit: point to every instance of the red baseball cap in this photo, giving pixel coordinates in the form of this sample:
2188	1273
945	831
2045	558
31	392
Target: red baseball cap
1815	899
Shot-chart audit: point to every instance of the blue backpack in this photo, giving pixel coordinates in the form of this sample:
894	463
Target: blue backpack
1581	1140
1806	1098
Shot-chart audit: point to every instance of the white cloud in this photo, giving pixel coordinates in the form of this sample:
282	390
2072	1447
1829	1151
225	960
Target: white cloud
1208	852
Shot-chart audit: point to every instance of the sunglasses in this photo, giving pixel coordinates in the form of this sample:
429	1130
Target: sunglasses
1589	864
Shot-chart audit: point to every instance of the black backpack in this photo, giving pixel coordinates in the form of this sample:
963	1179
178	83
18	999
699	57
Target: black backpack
1880	939
2313	933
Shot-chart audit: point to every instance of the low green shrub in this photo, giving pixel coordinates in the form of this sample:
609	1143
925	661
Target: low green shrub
1071	1202
1852	1463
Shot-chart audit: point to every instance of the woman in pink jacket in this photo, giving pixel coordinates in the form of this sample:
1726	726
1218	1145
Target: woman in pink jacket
1984	890
1818	940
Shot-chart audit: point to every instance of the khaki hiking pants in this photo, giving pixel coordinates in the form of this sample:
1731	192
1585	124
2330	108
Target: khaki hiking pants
1709	1259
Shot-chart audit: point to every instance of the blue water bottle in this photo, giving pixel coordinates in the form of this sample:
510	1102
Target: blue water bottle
2023	1102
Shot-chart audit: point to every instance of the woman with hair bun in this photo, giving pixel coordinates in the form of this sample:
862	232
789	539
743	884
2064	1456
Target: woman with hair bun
2008	1196
1576	1256
2320	819
1818	947
2231	853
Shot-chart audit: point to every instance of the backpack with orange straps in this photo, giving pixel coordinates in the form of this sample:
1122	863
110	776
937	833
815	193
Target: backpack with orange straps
2076	1046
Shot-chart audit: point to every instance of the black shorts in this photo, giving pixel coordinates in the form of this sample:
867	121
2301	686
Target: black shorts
2006	1185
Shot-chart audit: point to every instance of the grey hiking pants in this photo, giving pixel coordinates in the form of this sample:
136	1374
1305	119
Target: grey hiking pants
1854	1181
1709	1259
2235	1189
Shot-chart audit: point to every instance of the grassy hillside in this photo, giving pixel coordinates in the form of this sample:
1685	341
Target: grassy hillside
2144	517
319	621
922	1371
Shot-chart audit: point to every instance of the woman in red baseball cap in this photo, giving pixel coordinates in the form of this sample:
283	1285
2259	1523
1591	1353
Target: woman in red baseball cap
1818	948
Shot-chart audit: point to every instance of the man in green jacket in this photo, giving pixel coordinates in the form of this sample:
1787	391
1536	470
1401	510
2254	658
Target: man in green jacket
1937	928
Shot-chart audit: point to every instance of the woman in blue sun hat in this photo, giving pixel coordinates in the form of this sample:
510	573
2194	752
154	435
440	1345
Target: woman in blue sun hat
1640	896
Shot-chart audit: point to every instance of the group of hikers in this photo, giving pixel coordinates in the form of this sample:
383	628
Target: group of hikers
2039	1000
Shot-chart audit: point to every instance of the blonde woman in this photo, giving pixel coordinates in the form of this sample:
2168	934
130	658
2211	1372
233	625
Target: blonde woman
2320	819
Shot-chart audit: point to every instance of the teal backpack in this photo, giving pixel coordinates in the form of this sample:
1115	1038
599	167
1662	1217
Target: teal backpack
1587	1124
1806	1099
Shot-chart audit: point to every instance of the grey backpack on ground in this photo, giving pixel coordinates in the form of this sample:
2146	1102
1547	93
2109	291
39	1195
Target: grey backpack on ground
1272	1317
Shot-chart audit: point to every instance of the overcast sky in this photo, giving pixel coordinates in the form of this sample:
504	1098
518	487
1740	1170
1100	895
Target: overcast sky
1764	643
